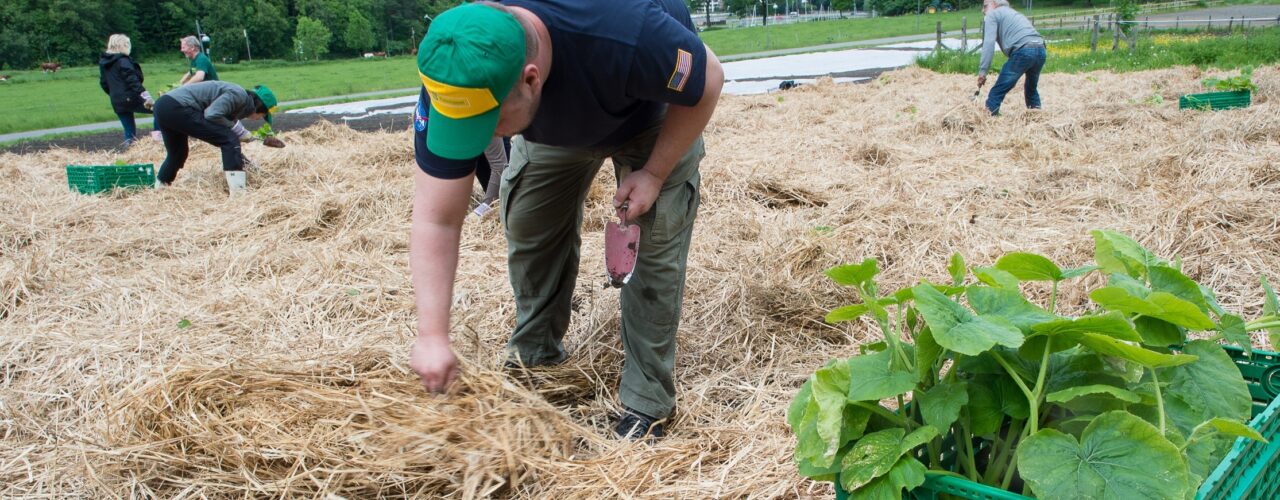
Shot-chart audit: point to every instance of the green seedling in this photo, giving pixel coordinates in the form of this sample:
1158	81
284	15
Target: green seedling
184	324
264	131
1003	384
1244	81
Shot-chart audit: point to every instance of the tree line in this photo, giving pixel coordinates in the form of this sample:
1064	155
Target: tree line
75	32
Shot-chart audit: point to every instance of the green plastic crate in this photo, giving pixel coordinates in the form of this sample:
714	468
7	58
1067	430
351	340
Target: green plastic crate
1215	100
94	179
1251	470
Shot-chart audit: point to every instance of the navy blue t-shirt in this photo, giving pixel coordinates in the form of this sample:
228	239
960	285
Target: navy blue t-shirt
614	67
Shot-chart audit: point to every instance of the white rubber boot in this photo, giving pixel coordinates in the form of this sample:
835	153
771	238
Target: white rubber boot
236	183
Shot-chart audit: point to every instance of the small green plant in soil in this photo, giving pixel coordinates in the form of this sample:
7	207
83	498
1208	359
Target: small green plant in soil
1244	81
976	378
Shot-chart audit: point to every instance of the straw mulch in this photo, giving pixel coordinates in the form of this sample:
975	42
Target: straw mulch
179	344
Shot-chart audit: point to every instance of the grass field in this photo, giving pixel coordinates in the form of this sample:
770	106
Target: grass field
785	36
33	100
1070	53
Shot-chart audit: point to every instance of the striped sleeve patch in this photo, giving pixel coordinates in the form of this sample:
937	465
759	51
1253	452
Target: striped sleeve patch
680	76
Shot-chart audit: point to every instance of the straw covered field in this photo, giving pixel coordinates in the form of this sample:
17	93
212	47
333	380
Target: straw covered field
178	343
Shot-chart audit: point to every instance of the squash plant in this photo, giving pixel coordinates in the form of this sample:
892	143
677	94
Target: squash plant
973	378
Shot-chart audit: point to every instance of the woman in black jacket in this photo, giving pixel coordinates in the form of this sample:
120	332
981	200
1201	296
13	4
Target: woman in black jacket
121	78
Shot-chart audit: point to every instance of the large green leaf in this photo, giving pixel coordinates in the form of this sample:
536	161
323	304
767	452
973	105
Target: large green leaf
1066	395
918	437
1158	332
1135	287
1233	329
1110	324
1119	456
1167	279
1117	253
1076	272
854	275
1160	305
1228	427
1210	387
1007	304
1029	267
985	408
1103	344
854	311
927	354
830	385
795	412
1271	307
872	377
940	405
956	328
1066	332
871	457
957	269
906	475
996	278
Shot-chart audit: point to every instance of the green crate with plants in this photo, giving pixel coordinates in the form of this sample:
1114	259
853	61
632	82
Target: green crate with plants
1229	93
1007	395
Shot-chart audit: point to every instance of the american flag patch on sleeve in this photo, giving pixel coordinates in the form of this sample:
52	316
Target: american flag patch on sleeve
684	65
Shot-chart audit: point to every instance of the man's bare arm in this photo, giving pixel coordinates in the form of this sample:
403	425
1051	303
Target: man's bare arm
439	208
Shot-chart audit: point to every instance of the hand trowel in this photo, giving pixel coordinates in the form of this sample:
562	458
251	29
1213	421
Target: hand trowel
621	243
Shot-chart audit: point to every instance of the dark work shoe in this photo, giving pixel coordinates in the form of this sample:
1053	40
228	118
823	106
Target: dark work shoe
513	362
635	425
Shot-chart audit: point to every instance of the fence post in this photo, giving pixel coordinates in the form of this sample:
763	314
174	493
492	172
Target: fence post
1133	39
1115	37
939	45
1230	24
1209	26
1177	21
1093	41
964	34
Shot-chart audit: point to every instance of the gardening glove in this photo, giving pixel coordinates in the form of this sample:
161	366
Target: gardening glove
982	80
273	142
243	133
146	96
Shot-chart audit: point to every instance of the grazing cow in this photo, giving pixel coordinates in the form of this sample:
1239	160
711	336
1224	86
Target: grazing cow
4	78
50	66
379	54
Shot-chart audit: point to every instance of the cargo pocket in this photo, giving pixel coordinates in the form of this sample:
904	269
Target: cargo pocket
676	209
511	176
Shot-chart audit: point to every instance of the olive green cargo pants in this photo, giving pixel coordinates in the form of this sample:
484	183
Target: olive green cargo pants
543	192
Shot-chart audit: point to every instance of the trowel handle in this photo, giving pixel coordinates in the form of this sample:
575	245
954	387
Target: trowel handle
622	213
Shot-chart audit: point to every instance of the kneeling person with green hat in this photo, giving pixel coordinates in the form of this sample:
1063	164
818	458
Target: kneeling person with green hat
576	82
211	112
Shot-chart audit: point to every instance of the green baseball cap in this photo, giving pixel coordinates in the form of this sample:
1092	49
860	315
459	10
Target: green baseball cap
268	99
470	58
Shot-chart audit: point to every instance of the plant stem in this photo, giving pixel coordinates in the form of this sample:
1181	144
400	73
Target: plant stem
967	438
1155	379
884	412
1053	299
1012	374
996	468
1008	472
1034	400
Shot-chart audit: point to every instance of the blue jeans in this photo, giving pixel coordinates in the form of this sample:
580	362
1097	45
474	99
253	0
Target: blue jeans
130	125
1026	60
